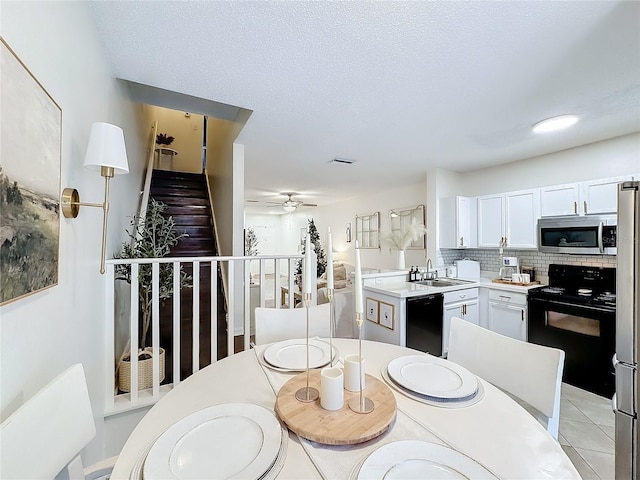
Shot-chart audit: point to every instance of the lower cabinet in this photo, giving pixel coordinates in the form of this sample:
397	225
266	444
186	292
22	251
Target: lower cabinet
462	304
508	313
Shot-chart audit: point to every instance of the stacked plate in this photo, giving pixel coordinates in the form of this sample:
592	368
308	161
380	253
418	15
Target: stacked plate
291	355
433	378
232	440
417	459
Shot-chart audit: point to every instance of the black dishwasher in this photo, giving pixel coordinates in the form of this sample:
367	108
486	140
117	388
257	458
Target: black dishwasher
424	323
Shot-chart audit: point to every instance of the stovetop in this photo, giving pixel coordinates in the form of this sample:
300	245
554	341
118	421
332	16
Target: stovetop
590	286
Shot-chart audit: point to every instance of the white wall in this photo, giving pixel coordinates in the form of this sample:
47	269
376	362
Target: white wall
43	334
339	214
609	158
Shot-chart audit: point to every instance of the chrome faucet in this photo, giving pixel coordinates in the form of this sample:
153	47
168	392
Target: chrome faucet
431	275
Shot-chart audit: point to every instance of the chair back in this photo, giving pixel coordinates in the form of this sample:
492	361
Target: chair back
276	324
530	372
49	430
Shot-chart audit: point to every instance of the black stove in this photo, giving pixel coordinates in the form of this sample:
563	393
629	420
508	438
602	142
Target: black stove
576	312
591	287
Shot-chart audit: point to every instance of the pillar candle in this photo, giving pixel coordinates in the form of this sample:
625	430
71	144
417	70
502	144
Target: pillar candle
329	260
358	282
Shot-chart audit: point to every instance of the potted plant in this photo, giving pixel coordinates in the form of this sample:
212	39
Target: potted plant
400	239
164	139
152	237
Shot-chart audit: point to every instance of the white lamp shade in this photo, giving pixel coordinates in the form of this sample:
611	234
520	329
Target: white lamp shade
288	208
106	148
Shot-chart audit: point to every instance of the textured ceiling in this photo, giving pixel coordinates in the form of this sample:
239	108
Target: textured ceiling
397	86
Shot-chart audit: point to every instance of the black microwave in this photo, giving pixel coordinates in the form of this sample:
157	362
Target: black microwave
590	235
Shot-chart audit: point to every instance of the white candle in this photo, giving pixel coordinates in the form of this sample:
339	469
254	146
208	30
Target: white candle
358	282
329	260
331	388
306	284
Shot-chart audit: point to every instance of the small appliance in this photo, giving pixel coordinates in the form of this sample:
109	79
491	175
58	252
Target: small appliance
509	268
584	235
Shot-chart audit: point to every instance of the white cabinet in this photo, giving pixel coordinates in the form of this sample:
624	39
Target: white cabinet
490	220
594	197
559	200
601	196
508	313
508	220
462	304
457	222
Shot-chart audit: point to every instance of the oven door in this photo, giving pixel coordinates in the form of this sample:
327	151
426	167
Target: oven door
587	336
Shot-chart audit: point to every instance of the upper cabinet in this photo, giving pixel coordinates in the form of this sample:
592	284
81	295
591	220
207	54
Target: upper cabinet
508	220
559	200
595	197
601	196
458	222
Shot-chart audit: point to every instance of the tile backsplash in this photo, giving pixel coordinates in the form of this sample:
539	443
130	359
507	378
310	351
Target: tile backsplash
490	259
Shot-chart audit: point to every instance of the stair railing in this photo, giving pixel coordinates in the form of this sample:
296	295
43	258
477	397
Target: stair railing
284	266
151	152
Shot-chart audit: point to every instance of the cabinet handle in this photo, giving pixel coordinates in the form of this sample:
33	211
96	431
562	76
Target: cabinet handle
462	295
585	206
464	309
505	242
575	207
522	314
462	241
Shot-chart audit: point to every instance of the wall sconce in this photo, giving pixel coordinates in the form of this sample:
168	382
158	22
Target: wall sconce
106	153
348	232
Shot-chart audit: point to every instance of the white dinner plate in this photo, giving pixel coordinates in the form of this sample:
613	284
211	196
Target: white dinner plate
292	354
231	441
433	376
412	459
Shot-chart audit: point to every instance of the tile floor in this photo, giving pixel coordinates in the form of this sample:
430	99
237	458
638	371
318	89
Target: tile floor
587	432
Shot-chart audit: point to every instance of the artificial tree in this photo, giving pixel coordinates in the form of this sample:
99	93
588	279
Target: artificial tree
152	237
322	259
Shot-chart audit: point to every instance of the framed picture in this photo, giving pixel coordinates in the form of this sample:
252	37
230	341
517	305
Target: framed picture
29	181
372	310
386	315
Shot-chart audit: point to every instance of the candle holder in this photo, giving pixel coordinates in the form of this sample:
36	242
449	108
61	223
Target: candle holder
331	322
361	404
307	394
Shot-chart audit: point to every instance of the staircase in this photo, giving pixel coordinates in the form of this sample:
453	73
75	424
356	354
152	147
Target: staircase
187	201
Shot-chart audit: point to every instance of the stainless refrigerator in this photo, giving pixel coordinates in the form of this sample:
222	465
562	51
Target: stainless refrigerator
627	397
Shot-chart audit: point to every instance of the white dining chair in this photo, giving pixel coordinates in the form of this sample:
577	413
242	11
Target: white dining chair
531	373
45	435
276	324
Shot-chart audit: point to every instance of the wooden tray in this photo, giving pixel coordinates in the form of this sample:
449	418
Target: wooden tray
509	282
338	427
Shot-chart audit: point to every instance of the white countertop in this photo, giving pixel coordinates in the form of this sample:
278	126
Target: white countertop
410	289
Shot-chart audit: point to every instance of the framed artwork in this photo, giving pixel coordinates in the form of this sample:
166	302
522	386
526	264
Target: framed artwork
30	154
401	219
372	310
386	315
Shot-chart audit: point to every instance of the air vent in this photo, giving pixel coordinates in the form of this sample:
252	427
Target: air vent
342	160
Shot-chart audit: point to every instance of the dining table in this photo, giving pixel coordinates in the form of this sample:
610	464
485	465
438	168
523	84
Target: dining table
493	430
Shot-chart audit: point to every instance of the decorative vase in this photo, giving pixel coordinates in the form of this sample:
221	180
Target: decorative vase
401	260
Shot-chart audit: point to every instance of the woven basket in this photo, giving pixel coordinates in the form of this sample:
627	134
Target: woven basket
145	371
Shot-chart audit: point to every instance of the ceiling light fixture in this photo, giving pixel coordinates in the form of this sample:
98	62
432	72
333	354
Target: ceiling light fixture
288	207
554	124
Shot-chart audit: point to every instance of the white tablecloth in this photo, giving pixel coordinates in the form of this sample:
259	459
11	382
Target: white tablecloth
496	431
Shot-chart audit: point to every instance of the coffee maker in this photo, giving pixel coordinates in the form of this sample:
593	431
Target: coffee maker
509	268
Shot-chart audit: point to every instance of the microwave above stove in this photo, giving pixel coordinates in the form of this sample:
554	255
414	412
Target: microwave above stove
591	235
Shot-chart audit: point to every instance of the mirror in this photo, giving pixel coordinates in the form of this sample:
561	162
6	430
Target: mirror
368	230
401	218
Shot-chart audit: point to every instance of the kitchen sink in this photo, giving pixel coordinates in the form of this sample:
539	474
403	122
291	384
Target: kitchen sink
443	282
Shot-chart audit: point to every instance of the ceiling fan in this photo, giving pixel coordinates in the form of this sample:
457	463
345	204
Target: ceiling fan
290	205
